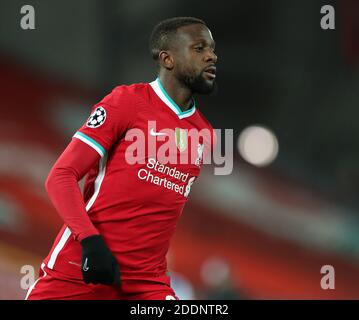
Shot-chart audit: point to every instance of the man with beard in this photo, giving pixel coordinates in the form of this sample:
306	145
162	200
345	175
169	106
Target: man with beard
116	234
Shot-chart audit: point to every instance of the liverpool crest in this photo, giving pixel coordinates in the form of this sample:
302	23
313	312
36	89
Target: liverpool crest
199	159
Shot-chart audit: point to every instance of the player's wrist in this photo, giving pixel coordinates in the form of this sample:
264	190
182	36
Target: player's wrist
94	241
86	234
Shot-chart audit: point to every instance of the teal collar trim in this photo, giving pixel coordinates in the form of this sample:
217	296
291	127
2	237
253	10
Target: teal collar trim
163	95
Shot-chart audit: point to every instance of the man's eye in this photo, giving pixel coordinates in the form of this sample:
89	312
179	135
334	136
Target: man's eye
199	49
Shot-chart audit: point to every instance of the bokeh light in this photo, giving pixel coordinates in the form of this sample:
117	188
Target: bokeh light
258	145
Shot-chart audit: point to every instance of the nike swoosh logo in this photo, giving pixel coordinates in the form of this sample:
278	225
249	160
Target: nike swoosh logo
154	133
85	267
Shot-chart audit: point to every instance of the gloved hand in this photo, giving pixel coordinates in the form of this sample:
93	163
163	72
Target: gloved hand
98	266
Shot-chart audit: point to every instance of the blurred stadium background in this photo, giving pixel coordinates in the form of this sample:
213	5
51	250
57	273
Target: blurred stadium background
259	233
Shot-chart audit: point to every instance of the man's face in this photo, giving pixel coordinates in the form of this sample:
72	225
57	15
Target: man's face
194	58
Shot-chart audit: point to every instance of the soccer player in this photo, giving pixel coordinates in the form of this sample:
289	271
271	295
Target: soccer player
116	234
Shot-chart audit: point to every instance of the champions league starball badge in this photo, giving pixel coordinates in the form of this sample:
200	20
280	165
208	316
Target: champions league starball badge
97	118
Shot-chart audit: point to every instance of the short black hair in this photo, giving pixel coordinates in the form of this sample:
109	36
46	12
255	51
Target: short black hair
163	32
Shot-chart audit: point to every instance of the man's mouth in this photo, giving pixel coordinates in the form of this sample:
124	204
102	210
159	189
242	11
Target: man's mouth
210	72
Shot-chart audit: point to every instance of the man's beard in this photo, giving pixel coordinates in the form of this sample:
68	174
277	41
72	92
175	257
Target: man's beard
198	84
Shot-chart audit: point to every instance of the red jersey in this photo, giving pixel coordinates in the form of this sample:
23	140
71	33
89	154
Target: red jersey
149	158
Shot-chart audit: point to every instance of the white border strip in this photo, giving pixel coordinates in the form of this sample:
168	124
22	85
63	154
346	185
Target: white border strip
34	284
89	143
157	89
185	115
58	248
98	182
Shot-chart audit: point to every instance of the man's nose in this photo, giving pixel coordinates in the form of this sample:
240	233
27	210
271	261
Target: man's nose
211	56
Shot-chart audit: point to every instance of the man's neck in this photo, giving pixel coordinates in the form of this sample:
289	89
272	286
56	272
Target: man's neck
179	93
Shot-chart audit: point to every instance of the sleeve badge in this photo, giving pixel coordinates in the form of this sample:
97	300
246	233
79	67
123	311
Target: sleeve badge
97	118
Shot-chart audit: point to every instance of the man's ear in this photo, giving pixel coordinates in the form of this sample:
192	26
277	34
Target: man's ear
166	60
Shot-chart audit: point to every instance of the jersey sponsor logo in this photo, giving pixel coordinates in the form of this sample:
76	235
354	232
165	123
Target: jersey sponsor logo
154	133
97	118
160	180
181	139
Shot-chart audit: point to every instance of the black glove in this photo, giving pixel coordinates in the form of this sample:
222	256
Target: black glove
98	263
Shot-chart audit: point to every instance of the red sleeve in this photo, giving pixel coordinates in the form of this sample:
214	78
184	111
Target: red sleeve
109	120
64	191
